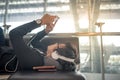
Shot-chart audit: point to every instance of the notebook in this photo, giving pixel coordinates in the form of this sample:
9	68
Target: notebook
45	68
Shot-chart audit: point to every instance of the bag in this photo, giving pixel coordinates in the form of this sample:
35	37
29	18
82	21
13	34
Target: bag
8	60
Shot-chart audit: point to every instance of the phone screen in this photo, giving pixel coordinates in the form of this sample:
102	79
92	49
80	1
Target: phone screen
55	21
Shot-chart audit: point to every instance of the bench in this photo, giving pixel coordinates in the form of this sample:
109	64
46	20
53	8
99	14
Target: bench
35	75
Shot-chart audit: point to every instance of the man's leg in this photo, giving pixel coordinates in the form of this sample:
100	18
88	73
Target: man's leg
27	56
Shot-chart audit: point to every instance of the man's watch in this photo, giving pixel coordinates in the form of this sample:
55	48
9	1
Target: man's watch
38	21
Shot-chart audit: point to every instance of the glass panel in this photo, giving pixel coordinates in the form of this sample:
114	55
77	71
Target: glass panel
90	54
23	11
112	54
111	25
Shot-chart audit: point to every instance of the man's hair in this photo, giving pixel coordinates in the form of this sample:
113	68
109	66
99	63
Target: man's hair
68	52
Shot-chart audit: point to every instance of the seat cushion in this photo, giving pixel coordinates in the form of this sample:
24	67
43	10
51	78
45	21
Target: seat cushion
34	75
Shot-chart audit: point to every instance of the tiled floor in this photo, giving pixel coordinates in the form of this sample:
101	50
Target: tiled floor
4	77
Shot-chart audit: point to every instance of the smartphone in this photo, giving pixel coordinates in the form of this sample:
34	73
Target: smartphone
55	20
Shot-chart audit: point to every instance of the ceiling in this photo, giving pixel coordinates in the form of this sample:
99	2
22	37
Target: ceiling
21	8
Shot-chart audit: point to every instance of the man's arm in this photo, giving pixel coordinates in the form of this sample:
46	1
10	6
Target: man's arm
35	40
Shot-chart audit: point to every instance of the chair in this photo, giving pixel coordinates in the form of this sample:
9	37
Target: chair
57	75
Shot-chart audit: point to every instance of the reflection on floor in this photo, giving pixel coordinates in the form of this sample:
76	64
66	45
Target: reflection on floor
98	76
4	77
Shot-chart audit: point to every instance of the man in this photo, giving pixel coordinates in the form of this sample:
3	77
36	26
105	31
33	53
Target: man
29	57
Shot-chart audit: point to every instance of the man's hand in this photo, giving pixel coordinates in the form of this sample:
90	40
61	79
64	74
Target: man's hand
47	19
51	48
51	25
49	28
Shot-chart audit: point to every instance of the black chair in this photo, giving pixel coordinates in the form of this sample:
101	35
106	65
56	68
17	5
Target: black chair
35	75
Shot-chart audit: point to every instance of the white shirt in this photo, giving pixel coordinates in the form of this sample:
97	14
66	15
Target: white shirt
48	61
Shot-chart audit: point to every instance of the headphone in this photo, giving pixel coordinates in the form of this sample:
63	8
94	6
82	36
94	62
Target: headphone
56	56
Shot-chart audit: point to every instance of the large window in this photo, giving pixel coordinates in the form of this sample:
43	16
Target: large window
23	11
90	54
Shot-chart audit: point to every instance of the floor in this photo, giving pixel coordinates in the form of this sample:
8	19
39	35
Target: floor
4	77
90	76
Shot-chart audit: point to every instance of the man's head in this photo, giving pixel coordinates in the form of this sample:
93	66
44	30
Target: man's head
65	54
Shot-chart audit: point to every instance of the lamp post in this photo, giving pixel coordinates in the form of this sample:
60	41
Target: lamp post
99	24
6	27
